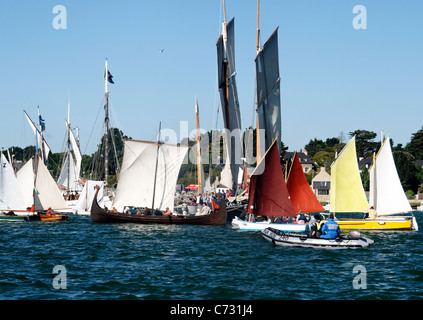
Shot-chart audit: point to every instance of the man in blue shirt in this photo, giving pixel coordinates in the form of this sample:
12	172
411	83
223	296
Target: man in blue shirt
330	229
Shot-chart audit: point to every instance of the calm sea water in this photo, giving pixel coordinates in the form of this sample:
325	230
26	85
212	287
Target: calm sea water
127	261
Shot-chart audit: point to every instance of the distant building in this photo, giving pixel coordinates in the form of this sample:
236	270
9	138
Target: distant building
364	163
305	160
321	185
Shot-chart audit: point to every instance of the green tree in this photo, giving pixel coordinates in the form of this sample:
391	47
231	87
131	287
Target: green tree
364	142
415	146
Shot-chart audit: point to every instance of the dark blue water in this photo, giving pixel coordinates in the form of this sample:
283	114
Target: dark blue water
126	261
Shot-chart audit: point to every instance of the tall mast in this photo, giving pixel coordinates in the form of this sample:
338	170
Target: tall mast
258	27
258	154
155	170
197	125
42	138
69	128
106	123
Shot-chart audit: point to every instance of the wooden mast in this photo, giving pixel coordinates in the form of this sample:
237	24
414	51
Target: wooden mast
258	153
155	170
197	125
106	124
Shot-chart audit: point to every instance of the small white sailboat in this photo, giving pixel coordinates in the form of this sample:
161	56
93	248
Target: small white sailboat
387	196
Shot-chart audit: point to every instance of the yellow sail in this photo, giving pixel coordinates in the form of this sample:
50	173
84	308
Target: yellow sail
346	190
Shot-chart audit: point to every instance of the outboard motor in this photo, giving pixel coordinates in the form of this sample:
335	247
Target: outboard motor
354	235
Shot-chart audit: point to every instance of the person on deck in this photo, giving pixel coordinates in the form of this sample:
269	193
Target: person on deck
316	226
301	218
330	229
168	212
49	212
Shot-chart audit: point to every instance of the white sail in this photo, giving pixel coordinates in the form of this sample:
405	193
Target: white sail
47	194
389	197
86	197
10	194
25	177
72	177
137	178
74	165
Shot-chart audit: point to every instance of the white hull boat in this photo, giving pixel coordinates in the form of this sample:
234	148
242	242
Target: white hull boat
258	226
352	241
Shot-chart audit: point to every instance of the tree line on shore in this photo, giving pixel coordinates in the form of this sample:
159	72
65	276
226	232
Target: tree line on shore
321	152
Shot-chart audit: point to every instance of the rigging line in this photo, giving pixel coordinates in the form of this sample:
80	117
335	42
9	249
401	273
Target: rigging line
92	128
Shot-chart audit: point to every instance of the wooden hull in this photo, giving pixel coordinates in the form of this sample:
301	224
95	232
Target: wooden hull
394	223
99	215
44	217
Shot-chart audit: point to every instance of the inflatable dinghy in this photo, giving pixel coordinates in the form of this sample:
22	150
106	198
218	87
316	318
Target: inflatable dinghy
280	238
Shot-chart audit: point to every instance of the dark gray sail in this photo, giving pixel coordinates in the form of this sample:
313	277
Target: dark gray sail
268	91
229	100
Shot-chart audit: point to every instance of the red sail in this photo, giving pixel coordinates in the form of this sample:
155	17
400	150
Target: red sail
268	192
302	197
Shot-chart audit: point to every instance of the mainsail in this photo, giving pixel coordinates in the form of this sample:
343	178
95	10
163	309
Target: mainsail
149	168
10	194
25	177
386	192
346	190
268	92
229	103
46	193
302	196
86	197
70	172
268	194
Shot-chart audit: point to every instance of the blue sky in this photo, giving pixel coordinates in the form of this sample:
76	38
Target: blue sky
334	78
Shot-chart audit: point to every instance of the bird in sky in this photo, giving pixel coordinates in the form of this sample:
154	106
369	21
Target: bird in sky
161	50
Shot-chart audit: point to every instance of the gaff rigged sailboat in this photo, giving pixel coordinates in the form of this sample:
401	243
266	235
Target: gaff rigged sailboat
147	181
269	195
386	194
302	196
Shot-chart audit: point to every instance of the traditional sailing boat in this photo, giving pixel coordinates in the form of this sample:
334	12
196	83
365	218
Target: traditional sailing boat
11	199
148	180
229	103
71	167
45	192
269	195
301	195
386	193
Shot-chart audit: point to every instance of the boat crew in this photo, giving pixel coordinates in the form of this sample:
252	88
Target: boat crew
331	229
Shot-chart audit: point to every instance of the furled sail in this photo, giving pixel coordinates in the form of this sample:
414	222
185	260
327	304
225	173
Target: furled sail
346	190
10	194
268	194
386	192
229	103
137	178
302	196
268	91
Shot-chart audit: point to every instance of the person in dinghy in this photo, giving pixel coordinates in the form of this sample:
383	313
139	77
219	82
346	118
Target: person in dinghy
330	229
